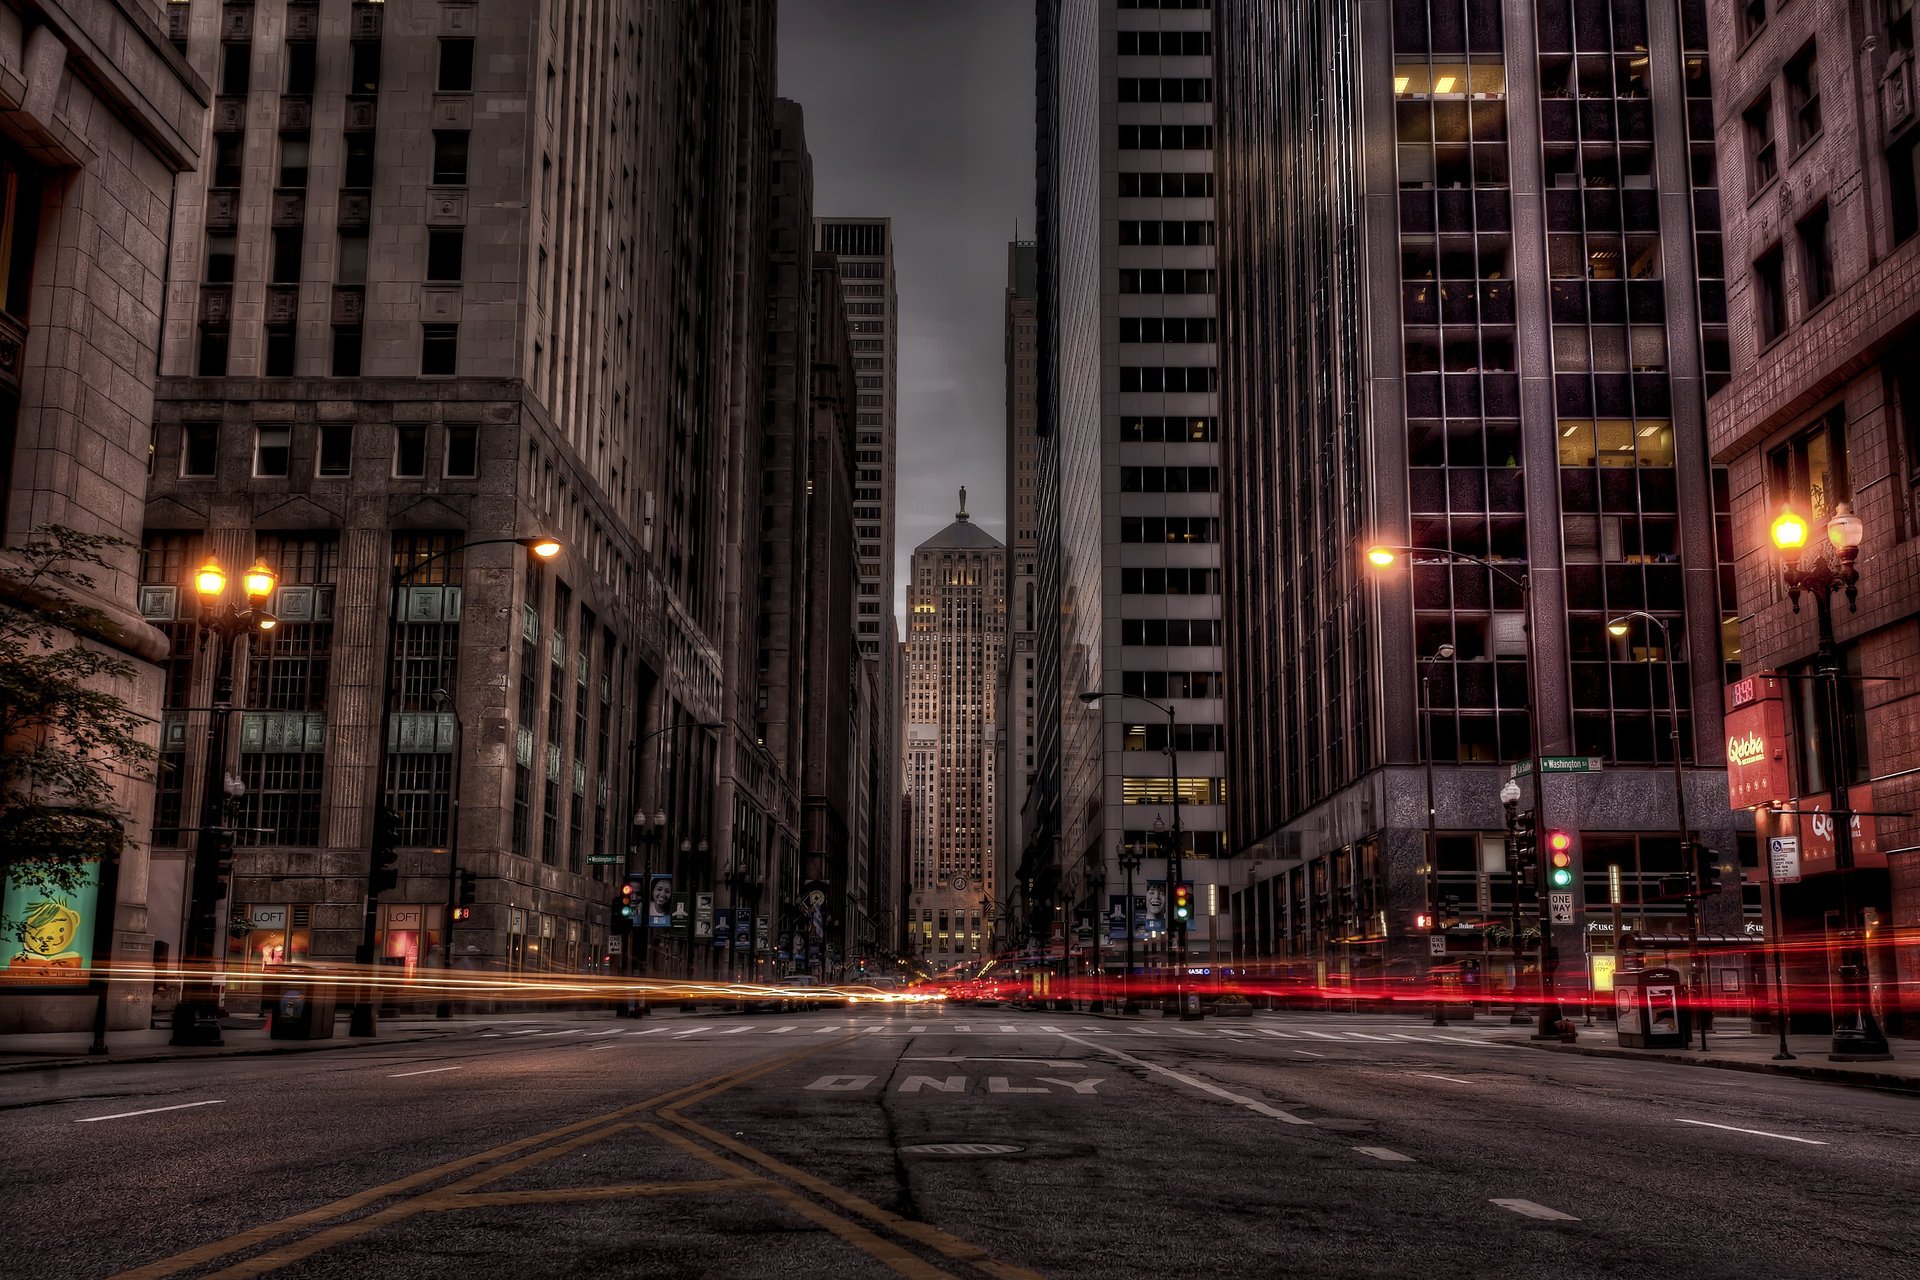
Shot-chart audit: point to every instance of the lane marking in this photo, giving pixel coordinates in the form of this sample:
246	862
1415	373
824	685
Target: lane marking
1361	1035
150	1111
1382	1153
1404	1036
430	1071
610	1031
733	1031
782	1030
1252	1104
1319	1034
1758	1133
1528	1209
1449	1079
1281	1035
1308	1053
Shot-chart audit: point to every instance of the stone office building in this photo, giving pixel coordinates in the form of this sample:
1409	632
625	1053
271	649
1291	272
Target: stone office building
456	273
99	118
1473	302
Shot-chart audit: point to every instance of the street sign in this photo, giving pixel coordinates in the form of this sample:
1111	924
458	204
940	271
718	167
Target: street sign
1558	764
1437	944
613	944
605	859
1783	858
1560	907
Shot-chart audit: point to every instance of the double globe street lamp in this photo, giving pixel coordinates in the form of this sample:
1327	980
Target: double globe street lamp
196	1019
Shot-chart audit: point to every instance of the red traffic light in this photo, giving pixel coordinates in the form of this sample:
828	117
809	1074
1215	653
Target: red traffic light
1422	921
1561	844
1182	901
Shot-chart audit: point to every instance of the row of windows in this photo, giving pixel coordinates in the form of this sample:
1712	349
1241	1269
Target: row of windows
1166	88
1171	529
1158	430
1169	582
439	351
332	445
1190	231
1164	4
1171	684
1166	137
1165	44
1170	186
1169	280
1169	479
1170	633
1169	378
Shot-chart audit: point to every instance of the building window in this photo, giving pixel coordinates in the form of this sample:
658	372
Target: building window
336	448
199	448
439	349
1803	95
358	170
278	362
282	801
1809	473
445	246
228	154
410	452
1816	258
420	786
463	452
293	161
366	67
352	267
300	68
271	448
220	258
456	66
287	242
1753	16
1762	162
236	69
346	351
450	157
1770	295
212	359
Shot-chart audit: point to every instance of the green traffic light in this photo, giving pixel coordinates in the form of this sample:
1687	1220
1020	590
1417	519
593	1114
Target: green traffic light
1562	877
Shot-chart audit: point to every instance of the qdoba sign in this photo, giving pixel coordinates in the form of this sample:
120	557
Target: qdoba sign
1756	743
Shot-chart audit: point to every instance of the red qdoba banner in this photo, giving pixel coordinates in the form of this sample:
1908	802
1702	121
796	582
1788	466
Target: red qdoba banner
1756	727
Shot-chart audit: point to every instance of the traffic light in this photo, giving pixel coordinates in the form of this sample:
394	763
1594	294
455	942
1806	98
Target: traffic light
385	872
468	882
1421	920
1560	859
1525	843
629	895
1706	874
463	913
1183	902
215	868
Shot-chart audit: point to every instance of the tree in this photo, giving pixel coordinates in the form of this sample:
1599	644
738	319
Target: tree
65	736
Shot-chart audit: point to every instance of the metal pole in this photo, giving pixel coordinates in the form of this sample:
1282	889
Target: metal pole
1433	844
196	1020
453	860
1779	941
1126	987
362	1022
1549	955
1689	858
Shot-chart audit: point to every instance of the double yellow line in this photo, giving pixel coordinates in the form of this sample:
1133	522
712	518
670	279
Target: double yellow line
427	1191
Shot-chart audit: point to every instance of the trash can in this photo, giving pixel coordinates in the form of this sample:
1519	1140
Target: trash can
1649	1005
303	1008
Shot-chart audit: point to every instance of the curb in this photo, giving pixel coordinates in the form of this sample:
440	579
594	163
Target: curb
115	1060
1879	1080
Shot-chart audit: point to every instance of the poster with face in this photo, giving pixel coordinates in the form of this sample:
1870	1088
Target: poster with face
660	902
46	935
1156	906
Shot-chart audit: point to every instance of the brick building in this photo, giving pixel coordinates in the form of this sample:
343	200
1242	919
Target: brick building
1819	142
99	116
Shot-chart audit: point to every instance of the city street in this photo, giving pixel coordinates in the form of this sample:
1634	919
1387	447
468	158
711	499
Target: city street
960	1141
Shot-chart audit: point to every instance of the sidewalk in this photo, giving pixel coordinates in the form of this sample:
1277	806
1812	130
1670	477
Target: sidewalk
248	1037
1733	1048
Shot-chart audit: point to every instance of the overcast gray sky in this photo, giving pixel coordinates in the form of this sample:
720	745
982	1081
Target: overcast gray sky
922	110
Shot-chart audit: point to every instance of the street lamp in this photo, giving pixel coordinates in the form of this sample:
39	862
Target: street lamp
1176	929
196	1019
363	1022
1859	1038
1384	557
1689	856
1443	654
441	698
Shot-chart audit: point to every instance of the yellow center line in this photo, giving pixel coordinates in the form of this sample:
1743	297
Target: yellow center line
619	1191
243	1240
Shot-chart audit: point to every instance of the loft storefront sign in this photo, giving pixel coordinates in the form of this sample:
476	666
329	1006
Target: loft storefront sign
1756	726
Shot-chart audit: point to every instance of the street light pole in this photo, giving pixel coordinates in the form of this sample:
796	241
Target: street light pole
1130	863
196	1019
445	699
1860	1039
362	1021
1443	654
1689	856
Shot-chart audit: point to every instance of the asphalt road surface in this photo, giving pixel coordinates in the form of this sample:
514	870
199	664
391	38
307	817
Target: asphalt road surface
952	1142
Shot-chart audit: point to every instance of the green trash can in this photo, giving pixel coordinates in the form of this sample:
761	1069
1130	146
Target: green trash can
302	1007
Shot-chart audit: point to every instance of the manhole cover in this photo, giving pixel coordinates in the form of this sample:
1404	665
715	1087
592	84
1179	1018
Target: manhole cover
963	1149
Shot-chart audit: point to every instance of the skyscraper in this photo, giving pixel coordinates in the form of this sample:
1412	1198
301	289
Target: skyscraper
1018	695
410	312
1130	561
1488	340
956	606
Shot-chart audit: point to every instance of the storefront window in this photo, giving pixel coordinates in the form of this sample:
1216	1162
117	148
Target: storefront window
261	936
410	936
